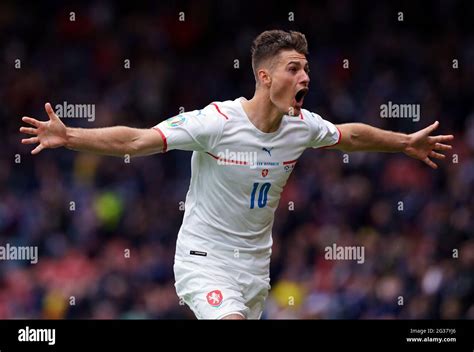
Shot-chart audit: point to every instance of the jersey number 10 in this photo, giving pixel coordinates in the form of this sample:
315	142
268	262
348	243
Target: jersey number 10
262	195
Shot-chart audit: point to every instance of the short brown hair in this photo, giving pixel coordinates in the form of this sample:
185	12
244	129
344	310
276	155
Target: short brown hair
269	43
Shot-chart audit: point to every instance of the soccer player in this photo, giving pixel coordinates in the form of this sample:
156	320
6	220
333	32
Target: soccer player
243	153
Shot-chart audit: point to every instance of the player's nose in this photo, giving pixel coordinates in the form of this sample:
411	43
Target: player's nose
305	79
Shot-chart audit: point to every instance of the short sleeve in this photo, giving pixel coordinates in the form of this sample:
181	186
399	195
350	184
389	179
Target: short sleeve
322	132
197	130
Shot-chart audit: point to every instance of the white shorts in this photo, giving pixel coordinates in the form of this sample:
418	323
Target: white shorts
214	292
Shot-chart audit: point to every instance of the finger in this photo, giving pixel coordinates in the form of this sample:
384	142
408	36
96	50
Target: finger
444	138
430	163
31	140
50	111
29	130
38	148
433	154
432	127
440	146
31	121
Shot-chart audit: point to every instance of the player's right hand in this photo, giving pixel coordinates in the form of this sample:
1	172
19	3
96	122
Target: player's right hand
49	134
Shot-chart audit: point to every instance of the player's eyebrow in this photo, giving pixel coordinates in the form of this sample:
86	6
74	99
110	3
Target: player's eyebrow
298	63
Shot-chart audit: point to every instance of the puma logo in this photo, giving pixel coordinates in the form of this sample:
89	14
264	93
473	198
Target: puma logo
268	150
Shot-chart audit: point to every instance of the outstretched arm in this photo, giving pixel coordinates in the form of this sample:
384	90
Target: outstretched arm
114	141
419	145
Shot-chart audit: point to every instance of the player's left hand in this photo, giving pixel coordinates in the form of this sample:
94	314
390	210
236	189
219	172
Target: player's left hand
422	146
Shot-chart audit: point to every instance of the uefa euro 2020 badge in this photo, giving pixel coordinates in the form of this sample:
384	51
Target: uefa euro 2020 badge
176	120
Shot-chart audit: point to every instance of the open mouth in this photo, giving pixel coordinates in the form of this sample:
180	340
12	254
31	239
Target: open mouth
300	94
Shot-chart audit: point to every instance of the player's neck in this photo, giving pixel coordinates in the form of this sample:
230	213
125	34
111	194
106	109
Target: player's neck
262	113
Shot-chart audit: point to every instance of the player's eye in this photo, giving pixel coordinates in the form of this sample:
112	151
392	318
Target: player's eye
293	69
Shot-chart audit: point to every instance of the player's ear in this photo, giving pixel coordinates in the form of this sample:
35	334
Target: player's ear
264	77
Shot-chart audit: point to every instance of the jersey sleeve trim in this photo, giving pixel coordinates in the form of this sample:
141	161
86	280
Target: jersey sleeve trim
165	143
338	140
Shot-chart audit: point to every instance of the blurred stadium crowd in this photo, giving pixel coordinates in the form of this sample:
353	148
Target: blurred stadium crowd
106	229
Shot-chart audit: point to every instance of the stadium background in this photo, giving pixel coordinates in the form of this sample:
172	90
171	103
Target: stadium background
136	206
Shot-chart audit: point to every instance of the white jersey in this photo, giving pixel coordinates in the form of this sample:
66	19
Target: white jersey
237	175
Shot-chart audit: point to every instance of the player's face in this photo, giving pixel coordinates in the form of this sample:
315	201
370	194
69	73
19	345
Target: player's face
289	82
